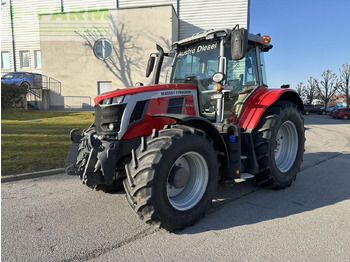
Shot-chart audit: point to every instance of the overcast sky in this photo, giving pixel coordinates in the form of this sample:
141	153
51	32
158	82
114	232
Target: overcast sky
309	37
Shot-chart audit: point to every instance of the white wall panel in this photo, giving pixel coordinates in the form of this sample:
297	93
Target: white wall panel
195	16
200	15
26	26
137	3
78	5
6	35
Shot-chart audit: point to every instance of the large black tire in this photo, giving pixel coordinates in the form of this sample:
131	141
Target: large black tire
148	188
279	140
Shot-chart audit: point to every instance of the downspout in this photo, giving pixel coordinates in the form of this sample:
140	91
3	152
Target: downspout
13	38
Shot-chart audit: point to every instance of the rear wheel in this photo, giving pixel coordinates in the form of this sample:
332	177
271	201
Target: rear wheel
279	145
346	117
172	177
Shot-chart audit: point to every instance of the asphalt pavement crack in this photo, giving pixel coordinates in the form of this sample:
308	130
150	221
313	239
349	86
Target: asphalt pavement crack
100	251
321	161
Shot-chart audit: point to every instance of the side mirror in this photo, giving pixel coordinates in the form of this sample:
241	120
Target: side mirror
239	41
150	65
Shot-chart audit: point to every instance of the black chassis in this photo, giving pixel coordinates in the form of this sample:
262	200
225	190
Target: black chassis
96	159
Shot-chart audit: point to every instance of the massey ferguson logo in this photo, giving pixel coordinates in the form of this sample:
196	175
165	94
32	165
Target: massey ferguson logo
175	92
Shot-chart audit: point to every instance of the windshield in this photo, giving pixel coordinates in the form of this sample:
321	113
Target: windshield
196	64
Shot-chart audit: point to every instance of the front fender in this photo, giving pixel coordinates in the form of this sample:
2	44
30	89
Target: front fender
263	98
202	124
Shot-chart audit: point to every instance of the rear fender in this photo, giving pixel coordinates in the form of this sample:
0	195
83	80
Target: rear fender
263	98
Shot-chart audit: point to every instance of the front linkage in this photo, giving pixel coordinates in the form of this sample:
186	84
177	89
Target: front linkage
92	158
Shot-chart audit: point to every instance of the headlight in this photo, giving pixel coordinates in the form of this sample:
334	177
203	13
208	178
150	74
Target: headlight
112	126
117	100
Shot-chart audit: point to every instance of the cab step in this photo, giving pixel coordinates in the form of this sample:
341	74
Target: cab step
246	176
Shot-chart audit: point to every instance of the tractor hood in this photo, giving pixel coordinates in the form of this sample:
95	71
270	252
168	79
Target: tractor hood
141	89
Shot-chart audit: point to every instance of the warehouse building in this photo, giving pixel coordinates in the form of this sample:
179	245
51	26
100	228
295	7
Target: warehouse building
84	48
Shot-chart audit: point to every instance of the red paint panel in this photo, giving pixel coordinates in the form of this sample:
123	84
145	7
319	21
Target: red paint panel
157	106
141	89
190	108
256	105
145	127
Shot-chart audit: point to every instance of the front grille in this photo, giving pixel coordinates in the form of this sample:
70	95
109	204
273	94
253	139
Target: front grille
105	115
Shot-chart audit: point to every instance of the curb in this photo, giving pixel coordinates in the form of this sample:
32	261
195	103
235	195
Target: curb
19	177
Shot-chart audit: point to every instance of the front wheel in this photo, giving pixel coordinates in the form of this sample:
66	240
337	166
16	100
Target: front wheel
172	177
279	142
25	85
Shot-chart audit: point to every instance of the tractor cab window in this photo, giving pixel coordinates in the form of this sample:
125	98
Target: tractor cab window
196	64
241	80
242	74
263	70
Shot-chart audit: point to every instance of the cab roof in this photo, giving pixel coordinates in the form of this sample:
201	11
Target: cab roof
218	33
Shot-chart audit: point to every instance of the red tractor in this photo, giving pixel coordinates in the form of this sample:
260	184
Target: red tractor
168	145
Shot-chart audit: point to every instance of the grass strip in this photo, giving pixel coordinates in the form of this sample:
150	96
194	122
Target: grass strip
37	140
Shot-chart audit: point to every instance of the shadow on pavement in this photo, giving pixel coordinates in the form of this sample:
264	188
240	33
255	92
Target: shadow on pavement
324	184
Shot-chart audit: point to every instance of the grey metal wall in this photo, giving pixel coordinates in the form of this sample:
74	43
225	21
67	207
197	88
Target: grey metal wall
200	15
137	3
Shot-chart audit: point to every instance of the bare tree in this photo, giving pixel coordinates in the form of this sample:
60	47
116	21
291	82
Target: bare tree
300	89
344	82
311	89
328	87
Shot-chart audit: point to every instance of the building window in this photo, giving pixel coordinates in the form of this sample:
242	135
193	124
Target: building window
37	56
5	60
103	49
104	86
24	55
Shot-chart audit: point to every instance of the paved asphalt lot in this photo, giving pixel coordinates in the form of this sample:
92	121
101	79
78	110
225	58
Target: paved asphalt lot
55	218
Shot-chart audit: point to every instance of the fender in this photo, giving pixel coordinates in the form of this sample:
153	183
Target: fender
203	124
260	100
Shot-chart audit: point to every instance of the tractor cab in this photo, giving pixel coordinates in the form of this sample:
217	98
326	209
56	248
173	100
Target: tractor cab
225	71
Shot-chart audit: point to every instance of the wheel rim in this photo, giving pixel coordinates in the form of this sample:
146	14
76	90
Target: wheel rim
286	146
188	196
